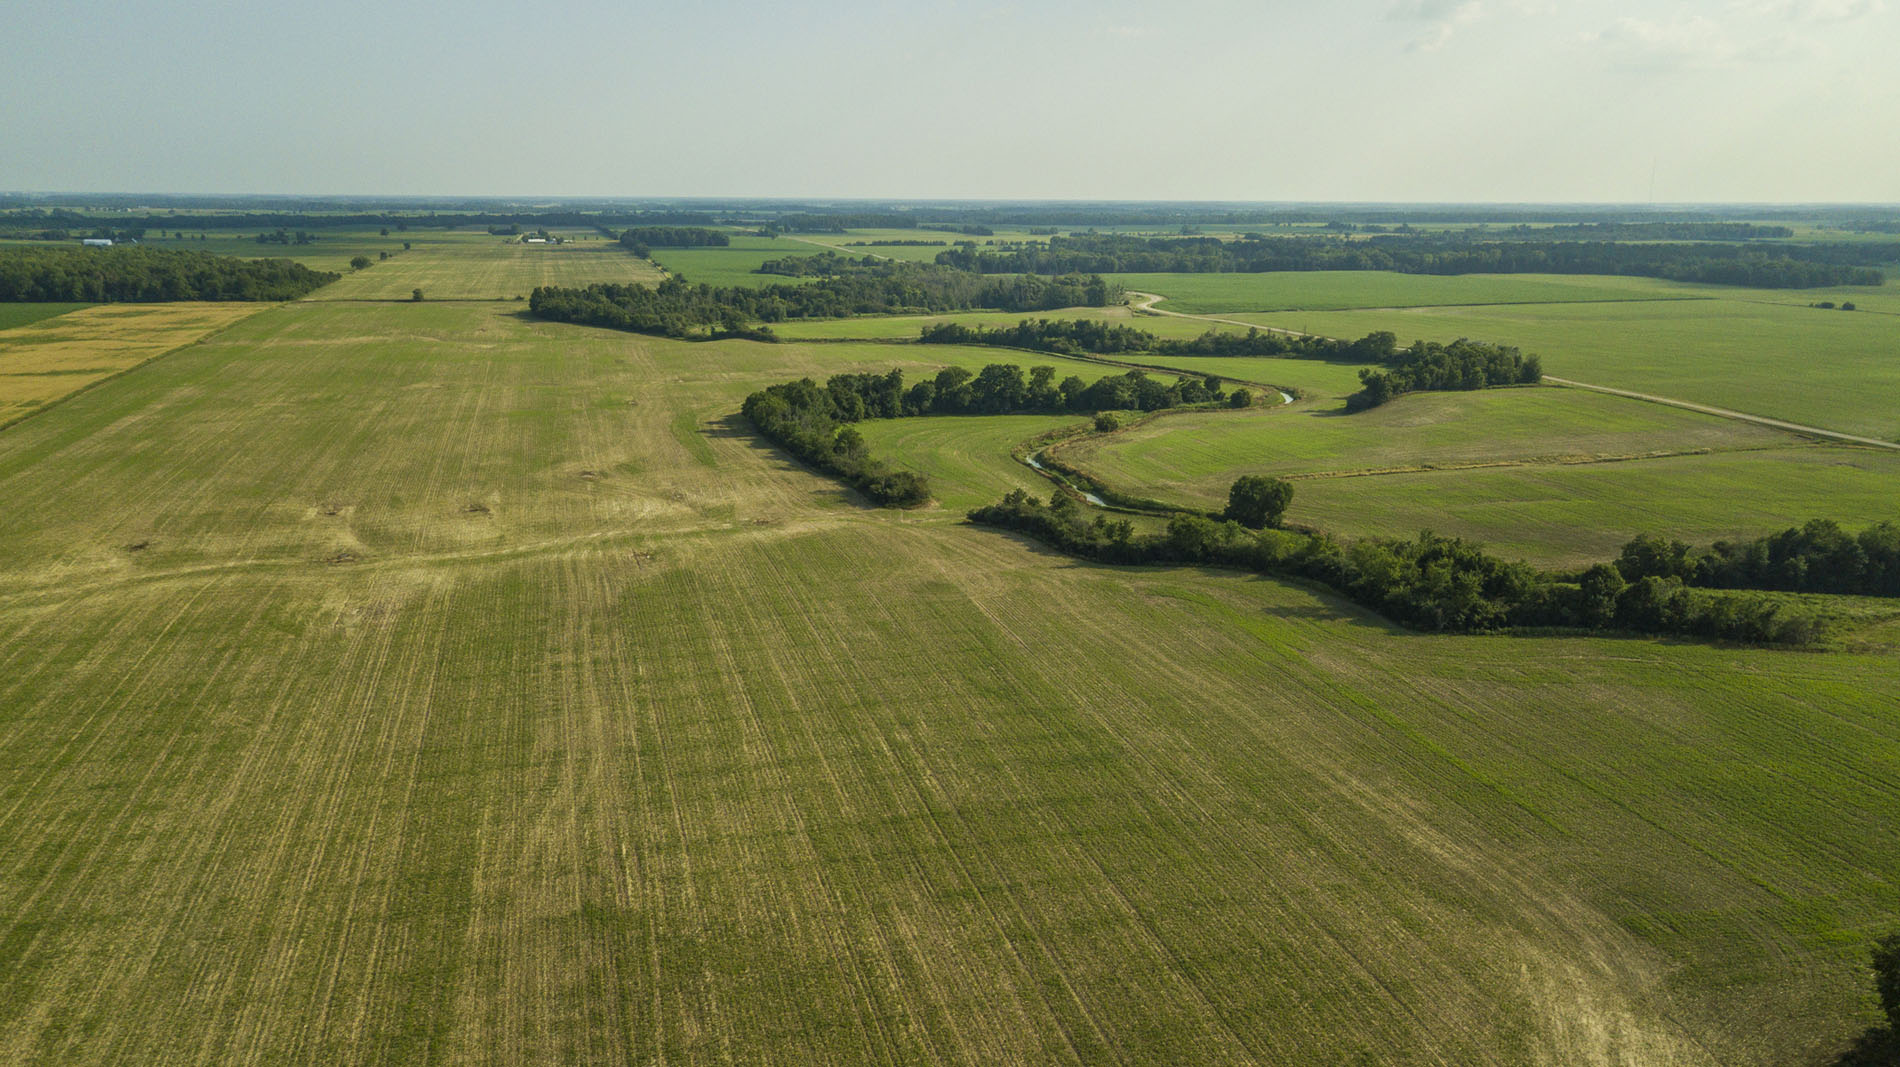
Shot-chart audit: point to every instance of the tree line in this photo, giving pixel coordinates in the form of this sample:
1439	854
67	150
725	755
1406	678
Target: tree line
138	224
148	275
1679	230
1428	365
802	418
677	308
1030	292
1427	583
1094	336
1816	557
813	421
641	240
1783	267
1003	389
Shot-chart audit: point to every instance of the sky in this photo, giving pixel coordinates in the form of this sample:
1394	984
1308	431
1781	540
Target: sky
1500	101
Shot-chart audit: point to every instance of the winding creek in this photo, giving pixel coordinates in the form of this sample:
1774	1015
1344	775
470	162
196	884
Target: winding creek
1034	459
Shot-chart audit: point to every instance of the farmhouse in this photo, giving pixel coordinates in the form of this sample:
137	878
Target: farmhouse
96	242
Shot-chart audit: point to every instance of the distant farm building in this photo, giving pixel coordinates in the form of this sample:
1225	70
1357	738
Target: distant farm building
96	242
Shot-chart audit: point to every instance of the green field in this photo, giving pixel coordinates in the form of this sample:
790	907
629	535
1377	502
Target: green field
1832	369
494	268
737	263
1316	378
1557	476
967	456
332	250
1203	294
390	683
12	315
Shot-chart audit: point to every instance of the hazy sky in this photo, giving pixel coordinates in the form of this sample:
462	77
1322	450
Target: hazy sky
1387	100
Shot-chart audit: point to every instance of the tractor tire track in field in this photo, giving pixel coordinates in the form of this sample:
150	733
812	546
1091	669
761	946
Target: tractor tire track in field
1145	302
1726	413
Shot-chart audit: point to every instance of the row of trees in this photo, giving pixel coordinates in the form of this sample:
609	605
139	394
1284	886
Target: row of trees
1428	583
1029	292
802	418
677	308
1066	336
321	217
1783	267
285	237
642	240
813	421
1004	389
1462	364
1079	336
147	275
1650	231
1816	557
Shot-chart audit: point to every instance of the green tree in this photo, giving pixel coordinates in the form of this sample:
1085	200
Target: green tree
1106	422
1241	398
415	294
1258	501
359	262
1598	591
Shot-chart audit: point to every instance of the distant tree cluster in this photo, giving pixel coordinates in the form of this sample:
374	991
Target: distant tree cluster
1428	365
1648	231
840	221
147	275
641	240
1427	583
1026	293
677	308
323	216
284	237
1783	267
1816	557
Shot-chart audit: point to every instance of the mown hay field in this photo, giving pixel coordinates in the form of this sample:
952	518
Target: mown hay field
494	268
52	356
388	683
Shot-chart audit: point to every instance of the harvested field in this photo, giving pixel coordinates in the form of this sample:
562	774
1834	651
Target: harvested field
54	356
401	738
